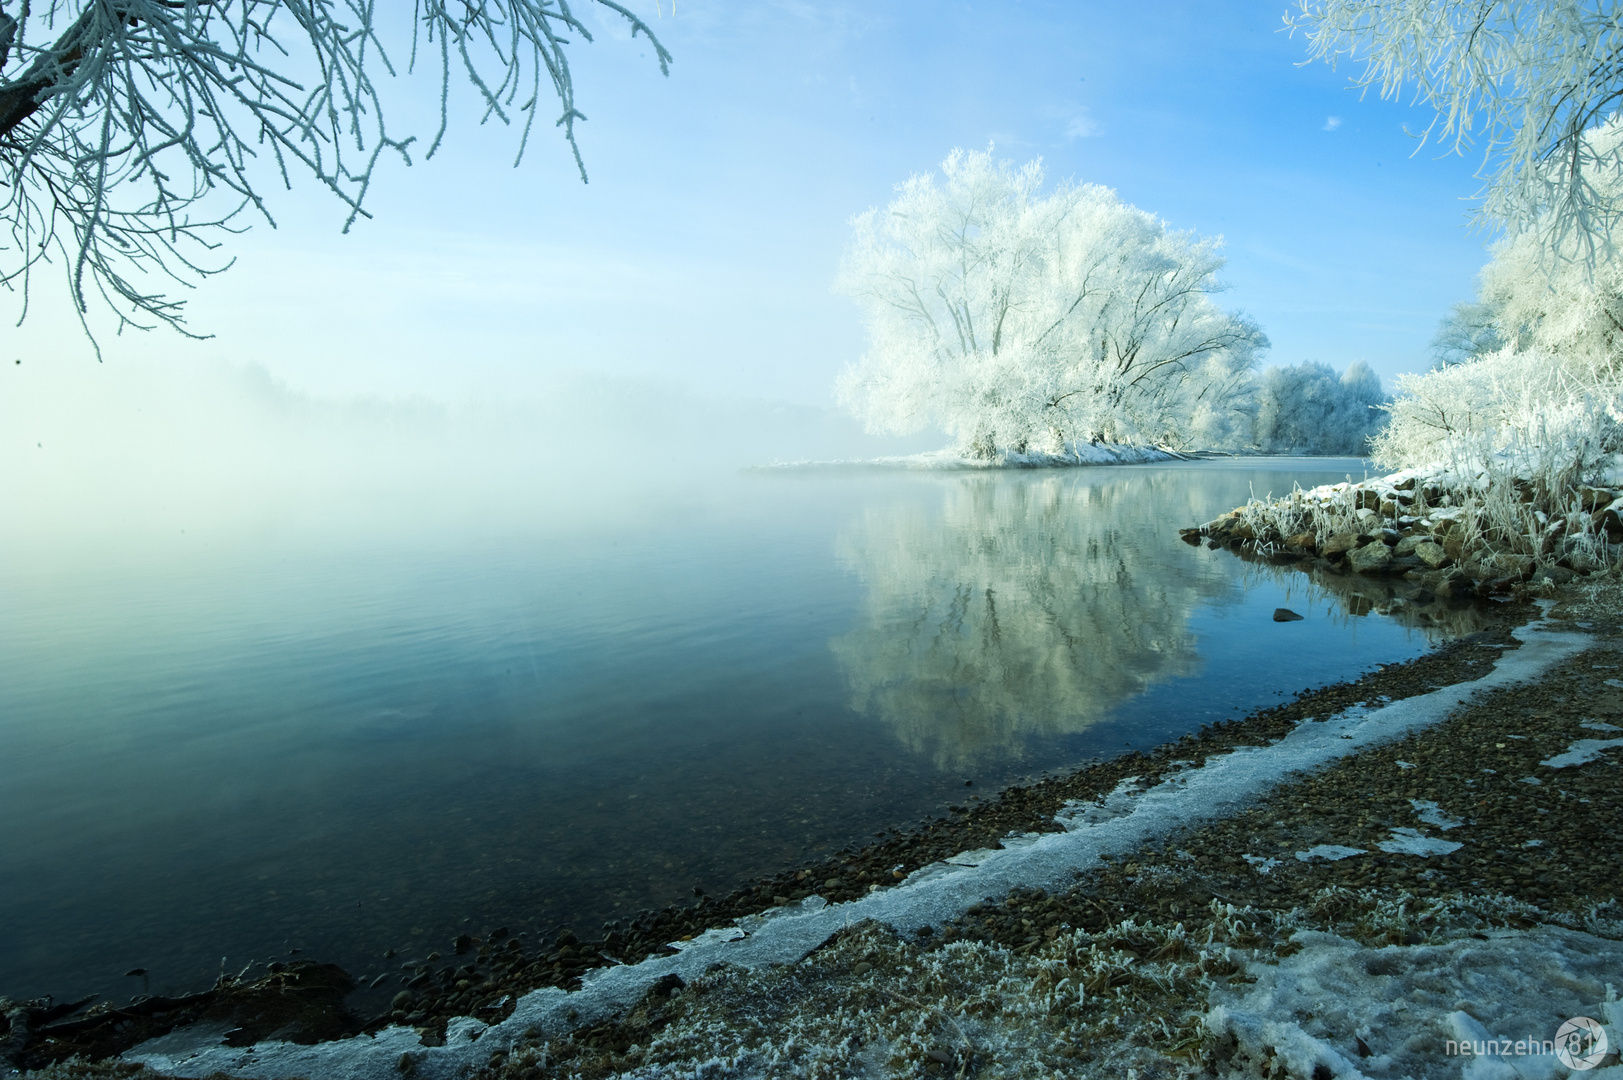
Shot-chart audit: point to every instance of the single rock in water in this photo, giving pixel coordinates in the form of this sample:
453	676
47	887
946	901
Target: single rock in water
402	999
832	883
1285	614
862	968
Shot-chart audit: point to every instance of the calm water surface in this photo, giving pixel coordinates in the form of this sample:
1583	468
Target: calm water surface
349	744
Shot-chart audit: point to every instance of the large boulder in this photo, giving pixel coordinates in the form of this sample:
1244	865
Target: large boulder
1429	553
1371	558
1338	543
1514	566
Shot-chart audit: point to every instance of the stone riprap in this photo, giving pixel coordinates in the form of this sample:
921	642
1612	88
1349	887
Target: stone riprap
1443	536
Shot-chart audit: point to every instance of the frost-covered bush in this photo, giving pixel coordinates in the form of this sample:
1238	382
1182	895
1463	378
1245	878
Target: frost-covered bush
1022	321
1308	409
1530	412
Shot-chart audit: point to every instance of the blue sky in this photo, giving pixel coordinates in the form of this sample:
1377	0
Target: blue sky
702	252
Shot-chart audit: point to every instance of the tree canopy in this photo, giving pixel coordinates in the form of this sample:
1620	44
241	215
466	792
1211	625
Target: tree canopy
1527	83
1019	320
133	132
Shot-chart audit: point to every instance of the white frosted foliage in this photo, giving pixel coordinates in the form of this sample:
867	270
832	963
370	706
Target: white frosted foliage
1019	321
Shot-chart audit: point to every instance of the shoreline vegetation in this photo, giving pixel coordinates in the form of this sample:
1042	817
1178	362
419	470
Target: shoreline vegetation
1071	455
1446	535
1202	950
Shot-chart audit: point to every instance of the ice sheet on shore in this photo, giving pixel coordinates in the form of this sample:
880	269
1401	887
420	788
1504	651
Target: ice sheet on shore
1581	752
1406	1003
1331	852
1414	842
1221	787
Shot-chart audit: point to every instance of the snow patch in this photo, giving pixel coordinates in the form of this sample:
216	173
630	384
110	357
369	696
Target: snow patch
1430	813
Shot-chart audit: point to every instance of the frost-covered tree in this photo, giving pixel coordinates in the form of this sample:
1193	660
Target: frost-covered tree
1308	409
1469	330
132	132
1523	82
1564	308
1547	404
1017	320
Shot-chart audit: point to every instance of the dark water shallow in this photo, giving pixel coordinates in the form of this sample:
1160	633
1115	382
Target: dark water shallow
350	746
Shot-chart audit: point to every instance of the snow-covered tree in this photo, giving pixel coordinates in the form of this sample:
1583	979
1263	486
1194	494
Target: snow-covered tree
1565	308
1308	409
1469	330
1549	402
133	131
1017	320
1525	82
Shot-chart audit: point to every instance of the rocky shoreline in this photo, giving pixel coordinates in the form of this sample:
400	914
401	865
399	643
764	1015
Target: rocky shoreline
1430	532
483	977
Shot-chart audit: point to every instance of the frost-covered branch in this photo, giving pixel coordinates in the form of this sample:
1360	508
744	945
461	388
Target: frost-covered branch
1525	83
134	132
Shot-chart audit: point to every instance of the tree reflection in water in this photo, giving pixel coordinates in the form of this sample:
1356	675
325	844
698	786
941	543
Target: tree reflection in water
1026	605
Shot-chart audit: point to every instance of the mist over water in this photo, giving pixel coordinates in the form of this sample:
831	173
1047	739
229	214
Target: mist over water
345	676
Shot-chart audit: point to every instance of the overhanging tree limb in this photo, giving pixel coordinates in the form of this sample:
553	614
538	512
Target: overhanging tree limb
1526	83
140	128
